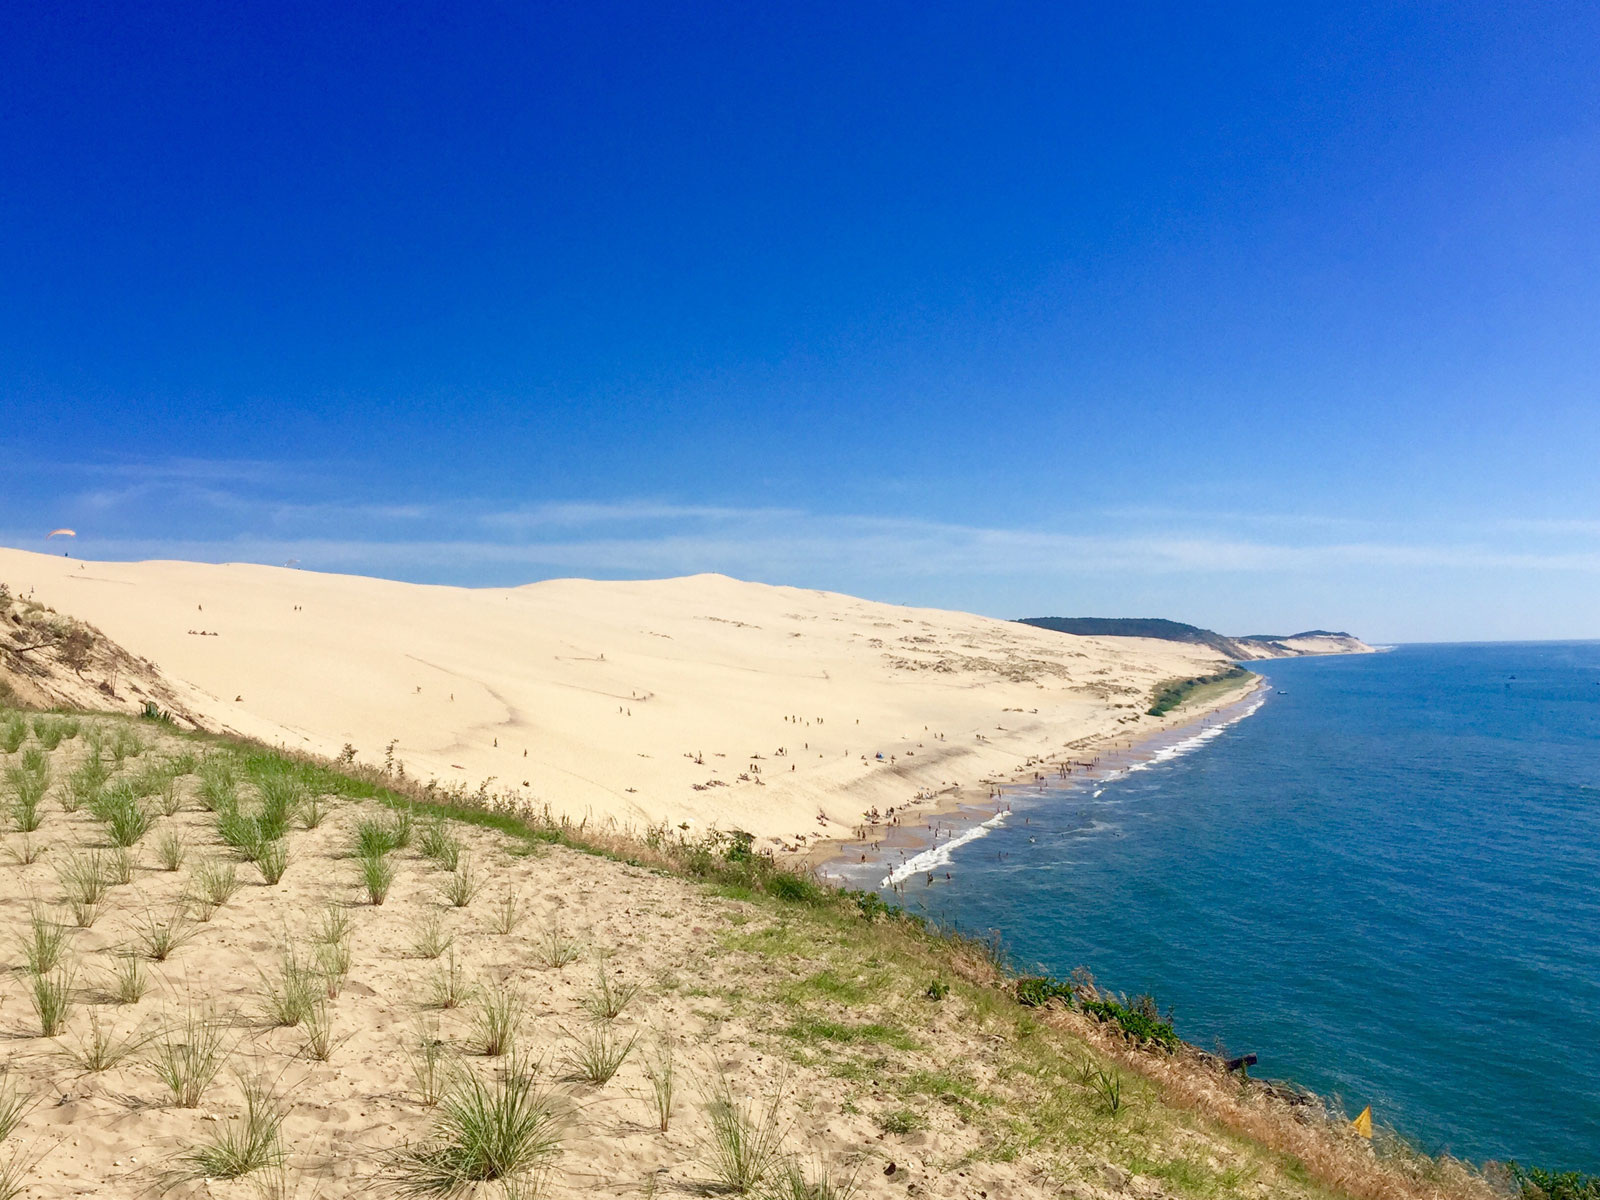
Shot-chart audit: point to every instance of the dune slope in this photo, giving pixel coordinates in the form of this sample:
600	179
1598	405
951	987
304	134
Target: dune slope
703	700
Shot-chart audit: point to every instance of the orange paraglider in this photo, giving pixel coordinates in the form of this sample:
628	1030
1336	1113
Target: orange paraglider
60	533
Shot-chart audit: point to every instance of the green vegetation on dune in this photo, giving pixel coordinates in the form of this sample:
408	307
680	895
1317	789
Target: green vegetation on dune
1181	691
1538	1184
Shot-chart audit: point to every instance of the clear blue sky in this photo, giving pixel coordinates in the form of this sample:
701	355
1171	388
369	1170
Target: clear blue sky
1255	316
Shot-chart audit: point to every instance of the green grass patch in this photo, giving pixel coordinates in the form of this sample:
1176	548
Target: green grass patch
1179	691
820	1029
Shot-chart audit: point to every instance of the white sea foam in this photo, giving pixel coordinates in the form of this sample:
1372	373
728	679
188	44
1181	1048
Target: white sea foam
939	856
936	857
1193	742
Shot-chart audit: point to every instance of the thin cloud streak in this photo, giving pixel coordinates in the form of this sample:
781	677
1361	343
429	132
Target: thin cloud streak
812	546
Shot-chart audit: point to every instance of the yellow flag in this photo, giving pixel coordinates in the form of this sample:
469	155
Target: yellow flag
1363	1123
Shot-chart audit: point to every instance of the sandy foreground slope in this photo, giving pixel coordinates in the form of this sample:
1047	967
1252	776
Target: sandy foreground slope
198	974
701	699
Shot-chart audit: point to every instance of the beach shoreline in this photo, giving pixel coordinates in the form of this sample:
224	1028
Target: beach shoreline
914	828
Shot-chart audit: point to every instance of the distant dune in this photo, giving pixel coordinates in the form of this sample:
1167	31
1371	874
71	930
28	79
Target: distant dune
1241	649
702	699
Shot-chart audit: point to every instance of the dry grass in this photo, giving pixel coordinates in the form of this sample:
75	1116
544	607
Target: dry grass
429	936
659	1072
101	1049
555	949
160	936
608	999
86	878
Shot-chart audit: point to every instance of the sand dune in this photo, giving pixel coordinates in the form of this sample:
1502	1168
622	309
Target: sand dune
703	700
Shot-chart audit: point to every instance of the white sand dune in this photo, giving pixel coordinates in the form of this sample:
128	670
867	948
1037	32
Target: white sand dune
701	699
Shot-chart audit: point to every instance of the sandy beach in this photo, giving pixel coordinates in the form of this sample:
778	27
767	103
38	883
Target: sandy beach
921	834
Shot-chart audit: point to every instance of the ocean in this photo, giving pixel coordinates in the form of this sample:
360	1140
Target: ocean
1385	882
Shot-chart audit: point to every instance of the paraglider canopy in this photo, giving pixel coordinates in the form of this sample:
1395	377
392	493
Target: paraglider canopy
60	533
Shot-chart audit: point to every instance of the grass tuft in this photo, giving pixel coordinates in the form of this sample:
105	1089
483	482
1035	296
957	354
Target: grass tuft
320	1041
608	999
333	966
555	949
188	1056
84	784
101	1049
252	1143
431	1063
171	851
508	912
25	852
169	801
51	994
45	943
273	860
312	811
215	882
219	785
28	785
161	937
429	937
120	867
129	979
289	995
87	879
376	837
745	1146
126	820
1107	1087
377	876
505	1132
597	1053
449	987
496	1019
14	1105
333	926
437	842
463	885
658	1071
793	1182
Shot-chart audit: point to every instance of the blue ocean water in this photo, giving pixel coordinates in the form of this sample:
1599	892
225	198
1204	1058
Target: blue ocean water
1386	883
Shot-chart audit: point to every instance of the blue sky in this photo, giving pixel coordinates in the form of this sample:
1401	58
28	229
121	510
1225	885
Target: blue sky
1261	317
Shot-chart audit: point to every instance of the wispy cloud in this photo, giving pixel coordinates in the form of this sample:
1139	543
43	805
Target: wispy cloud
580	514
248	510
801	546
